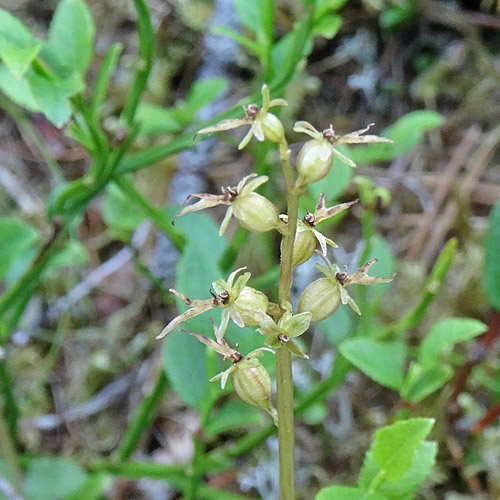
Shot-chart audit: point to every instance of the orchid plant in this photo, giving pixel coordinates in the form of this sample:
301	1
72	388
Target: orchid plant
246	306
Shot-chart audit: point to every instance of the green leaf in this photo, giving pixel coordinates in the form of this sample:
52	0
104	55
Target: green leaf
407	132
71	39
491	271
50	478
232	415
395	446
381	361
156	120
327	26
18	47
15	237
326	6
204	91
73	254
18	90
185	364
447	333
346	493
118	213
52	96
184	357
421	466
248	14
420	382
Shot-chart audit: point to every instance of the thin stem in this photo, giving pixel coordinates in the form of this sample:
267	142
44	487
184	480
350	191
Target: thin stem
284	378
9	452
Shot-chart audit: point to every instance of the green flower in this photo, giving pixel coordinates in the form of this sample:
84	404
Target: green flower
250	379
252	211
263	125
324	296
240	303
288	326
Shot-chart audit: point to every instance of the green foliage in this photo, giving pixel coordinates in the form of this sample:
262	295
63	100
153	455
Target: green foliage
49	478
15	237
406	133
42	76
232	415
396	464
381	361
491	272
158	120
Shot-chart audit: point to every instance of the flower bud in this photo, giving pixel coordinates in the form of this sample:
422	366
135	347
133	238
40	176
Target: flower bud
272	127
252	383
321	298
314	161
250	301
304	245
255	213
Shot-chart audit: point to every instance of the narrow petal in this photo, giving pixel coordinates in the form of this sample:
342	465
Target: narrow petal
225	376
295	349
322	213
265	97
224	321
225	125
254	184
232	276
306	128
354	306
360	277
344	296
219	286
343	158
221	348
236	317
200	307
241	184
321	240
241	283
297	325
225	221
246	139
331	243
357	137
278	102
258	131
206	201
258	353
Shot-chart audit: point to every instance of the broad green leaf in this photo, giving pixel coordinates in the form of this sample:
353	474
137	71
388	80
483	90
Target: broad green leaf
381	361
118	213
395	446
185	364
406	133
420	382
491	271
184	357
421	466
204	91
17	46
50	478
18	90
15	237
445	334
232	415
52	96
327	26
315	414
71	39
346	493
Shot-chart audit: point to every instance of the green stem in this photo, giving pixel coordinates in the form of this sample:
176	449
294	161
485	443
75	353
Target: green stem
284	378
9	451
142	418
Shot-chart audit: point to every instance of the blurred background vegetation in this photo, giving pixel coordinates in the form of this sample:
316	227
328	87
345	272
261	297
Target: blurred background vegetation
80	363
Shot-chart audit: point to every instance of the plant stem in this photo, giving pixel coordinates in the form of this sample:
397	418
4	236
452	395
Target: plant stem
9	452
284	378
